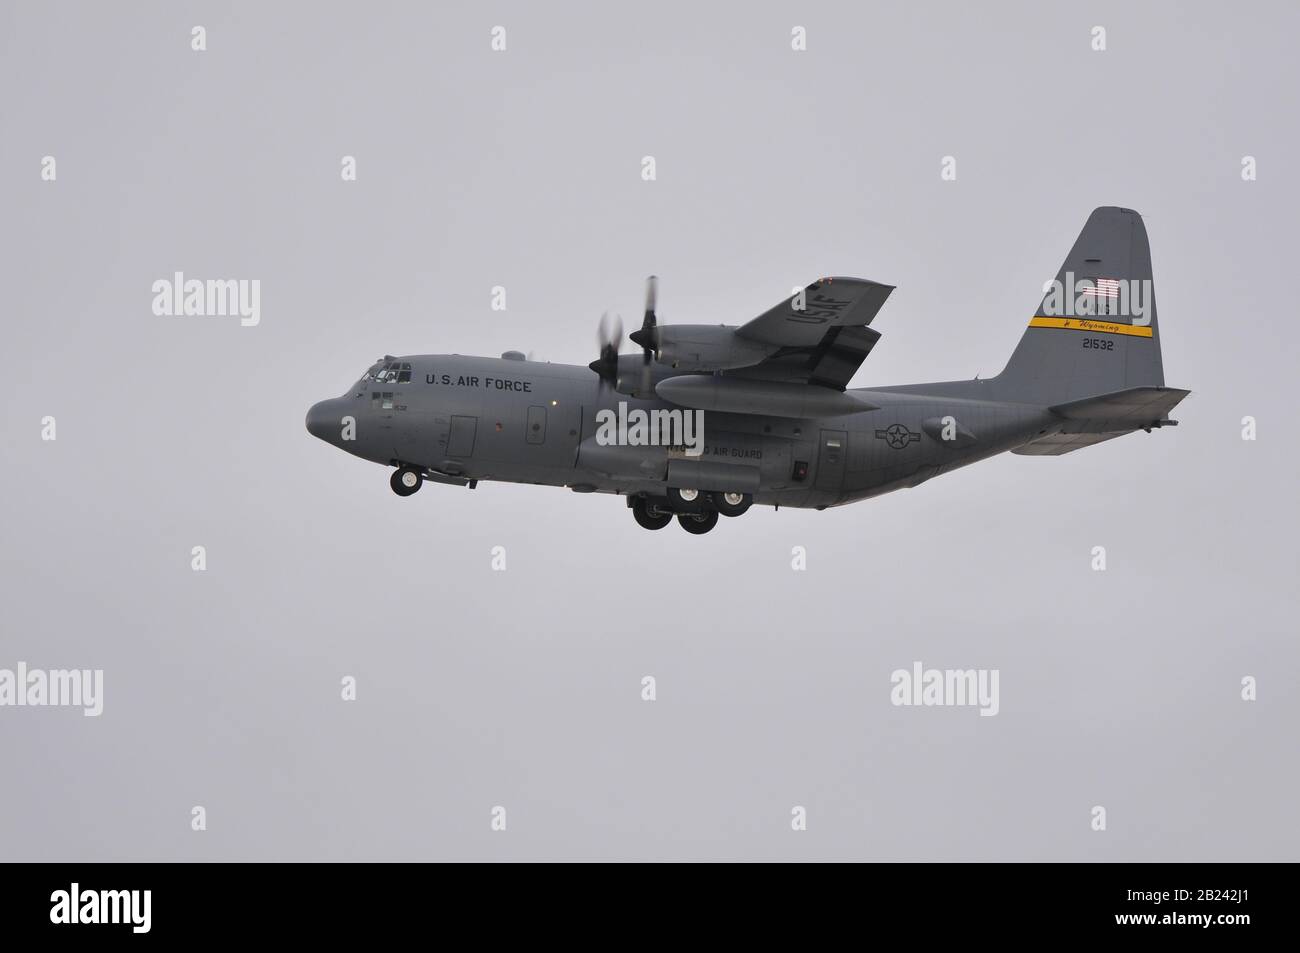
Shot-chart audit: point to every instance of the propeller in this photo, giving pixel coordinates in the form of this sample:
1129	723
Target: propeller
648	334
608	336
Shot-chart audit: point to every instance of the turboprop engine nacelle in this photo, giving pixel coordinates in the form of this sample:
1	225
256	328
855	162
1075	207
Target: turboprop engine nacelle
706	347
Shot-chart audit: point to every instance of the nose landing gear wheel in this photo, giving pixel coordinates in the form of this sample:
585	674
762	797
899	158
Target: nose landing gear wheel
732	504
405	480
650	516
698	523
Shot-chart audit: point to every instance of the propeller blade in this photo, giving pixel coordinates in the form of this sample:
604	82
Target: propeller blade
647	336
608	335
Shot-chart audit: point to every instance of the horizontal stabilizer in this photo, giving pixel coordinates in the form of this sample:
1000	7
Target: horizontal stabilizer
1137	406
1094	419
1060	443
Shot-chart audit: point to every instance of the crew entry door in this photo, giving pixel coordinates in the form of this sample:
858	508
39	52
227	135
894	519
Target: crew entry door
551	432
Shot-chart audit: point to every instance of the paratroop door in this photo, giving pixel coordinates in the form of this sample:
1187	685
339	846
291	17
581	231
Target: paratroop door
833	451
537	425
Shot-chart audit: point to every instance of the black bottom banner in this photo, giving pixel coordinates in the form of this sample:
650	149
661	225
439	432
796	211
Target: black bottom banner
137	902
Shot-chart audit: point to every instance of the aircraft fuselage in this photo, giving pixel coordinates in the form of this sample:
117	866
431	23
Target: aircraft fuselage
478	418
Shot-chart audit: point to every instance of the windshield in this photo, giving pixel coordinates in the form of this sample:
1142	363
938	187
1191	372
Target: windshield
389	372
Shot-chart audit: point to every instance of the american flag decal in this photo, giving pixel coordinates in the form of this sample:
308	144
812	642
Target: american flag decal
1104	288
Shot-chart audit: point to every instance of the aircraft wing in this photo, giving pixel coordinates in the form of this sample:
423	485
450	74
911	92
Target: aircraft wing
821	335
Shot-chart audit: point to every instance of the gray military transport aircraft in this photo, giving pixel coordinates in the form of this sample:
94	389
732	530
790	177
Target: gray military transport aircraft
709	419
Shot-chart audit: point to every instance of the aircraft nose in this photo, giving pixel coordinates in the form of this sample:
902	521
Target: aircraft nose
322	420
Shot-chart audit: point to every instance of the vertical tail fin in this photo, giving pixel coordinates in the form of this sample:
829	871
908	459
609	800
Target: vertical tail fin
1095	331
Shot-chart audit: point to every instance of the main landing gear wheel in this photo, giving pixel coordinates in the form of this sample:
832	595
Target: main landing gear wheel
698	523
732	504
680	497
405	480
651	517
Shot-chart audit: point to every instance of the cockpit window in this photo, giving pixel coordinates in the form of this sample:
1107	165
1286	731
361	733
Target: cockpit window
392	372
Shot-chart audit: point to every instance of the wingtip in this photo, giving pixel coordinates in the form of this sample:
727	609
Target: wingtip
849	280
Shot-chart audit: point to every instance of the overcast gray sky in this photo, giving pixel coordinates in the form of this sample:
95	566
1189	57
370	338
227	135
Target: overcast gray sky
522	688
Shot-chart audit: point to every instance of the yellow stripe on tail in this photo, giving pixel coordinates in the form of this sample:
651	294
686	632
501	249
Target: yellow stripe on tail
1087	324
